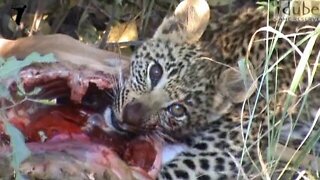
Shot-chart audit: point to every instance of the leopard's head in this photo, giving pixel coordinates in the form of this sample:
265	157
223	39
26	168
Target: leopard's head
174	86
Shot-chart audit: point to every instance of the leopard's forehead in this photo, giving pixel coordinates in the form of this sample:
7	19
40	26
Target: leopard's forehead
169	55
184	65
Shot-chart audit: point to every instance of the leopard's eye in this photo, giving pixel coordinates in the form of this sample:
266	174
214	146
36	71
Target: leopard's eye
155	74
177	110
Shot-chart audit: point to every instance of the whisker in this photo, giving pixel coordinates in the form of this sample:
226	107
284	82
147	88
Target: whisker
111	95
163	136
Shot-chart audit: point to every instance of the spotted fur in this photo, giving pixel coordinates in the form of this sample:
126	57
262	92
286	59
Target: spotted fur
207	83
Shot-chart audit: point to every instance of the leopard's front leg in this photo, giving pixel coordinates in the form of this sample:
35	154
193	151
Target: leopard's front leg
214	153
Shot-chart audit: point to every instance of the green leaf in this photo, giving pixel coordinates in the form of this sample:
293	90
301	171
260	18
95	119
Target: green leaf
5	93
12	66
20	151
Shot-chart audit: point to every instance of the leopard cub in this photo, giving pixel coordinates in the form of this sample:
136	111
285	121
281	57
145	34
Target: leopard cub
194	95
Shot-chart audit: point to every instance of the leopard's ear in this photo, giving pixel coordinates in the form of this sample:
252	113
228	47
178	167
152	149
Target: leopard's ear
238	84
187	24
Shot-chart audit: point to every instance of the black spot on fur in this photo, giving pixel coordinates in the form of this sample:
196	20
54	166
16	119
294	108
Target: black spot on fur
243	51
214	130
173	72
233	134
166	175
208	154
204	164
222	135
231	151
201	146
181	174
219	167
220	160
222	145
237	142
204	177
189	163
209	138
172	165
261	47
222	177
189	154
232	165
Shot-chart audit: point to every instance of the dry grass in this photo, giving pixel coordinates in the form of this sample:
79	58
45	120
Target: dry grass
271	165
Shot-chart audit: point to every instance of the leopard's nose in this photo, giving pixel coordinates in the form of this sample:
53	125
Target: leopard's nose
134	113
